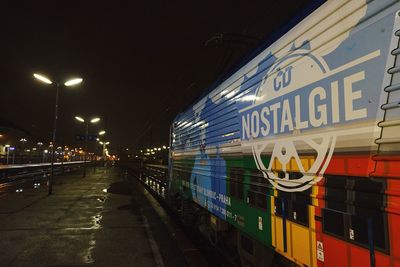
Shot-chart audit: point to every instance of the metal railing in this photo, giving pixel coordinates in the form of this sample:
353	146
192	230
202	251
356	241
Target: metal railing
16	172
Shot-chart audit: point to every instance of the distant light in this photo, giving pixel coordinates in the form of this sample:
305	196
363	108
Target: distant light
22	140
34	149
42	78
102	132
127	149
94	120
1	135
7	145
101	143
45	151
11	148
97	139
107	143
73	82
40	144
79	119
164	147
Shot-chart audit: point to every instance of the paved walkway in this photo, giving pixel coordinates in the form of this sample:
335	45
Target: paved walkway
99	220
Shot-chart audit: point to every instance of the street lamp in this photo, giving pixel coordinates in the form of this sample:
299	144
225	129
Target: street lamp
93	120
102	132
104	143
68	83
23	141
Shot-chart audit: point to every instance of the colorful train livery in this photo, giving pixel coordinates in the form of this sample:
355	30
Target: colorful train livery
298	151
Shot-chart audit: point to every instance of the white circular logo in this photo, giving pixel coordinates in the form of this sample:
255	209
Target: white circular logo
294	162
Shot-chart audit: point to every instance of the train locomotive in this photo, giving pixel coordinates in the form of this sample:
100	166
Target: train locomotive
297	153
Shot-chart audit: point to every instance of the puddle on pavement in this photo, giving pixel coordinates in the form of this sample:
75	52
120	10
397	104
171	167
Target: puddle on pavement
87	255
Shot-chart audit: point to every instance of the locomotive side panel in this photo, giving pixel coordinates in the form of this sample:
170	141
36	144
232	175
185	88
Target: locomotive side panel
295	149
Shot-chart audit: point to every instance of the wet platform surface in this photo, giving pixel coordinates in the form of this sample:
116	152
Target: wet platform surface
100	220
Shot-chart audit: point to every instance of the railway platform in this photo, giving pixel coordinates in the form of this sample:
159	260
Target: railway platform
100	220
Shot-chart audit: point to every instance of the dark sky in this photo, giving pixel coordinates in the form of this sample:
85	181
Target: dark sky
142	62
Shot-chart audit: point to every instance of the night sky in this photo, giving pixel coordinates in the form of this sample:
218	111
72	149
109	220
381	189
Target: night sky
142	62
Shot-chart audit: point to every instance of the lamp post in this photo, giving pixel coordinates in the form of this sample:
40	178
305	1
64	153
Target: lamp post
40	144
101	133
93	120
8	152
104	147
68	83
23	141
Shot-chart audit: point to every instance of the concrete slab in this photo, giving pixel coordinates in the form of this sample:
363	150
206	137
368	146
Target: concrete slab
92	221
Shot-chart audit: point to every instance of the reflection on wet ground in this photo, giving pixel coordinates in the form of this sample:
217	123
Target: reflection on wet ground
90	220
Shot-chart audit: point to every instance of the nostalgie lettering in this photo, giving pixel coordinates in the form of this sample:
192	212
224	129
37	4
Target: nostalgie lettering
335	103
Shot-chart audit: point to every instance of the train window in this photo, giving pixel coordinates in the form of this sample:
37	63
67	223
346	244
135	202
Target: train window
236	190
336	193
261	201
235	182
368	193
358	230
279	207
359	226
299	212
240	193
369	200
296	206
236	174
368	185
251	197
256	176
333	222
355	200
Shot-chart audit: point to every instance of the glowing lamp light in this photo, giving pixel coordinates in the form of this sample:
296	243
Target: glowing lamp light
102	132
94	120
42	78
79	119
73	82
